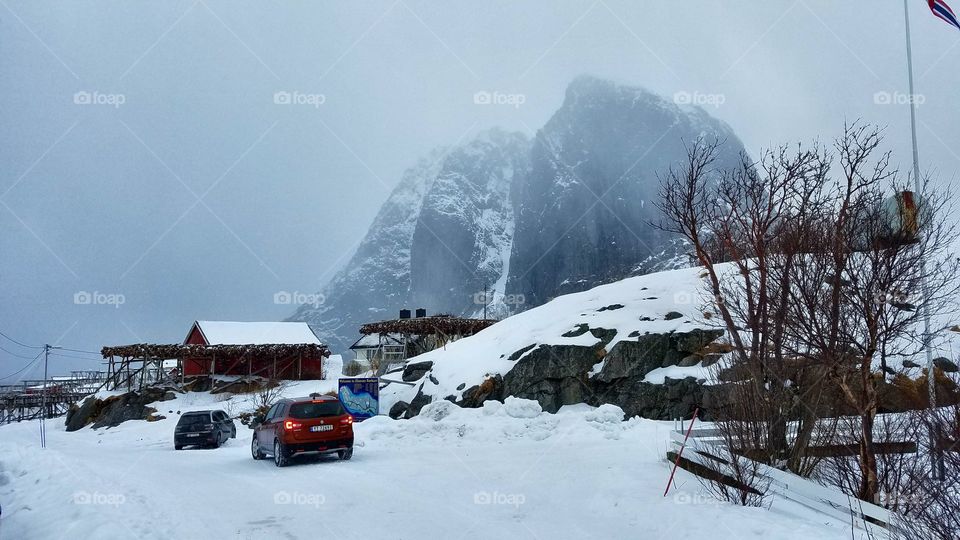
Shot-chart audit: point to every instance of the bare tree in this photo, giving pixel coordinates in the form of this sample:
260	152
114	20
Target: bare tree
758	217
825	285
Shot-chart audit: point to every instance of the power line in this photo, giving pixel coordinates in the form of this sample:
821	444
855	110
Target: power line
21	344
15	354
78	351
74	356
21	370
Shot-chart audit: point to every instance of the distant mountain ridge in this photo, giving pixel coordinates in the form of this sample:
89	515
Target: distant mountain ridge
511	222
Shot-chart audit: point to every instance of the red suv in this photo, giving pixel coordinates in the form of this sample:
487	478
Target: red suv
301	426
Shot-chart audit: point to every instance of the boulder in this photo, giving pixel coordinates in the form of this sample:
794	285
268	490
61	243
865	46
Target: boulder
415	371
418	403
80	416
398	410
689	361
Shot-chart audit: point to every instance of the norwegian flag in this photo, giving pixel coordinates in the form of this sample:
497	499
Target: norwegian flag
942	10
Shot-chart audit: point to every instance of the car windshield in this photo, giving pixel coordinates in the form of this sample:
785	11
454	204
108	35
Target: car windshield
315	409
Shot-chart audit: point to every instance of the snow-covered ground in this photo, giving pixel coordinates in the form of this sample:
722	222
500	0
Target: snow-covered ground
504	471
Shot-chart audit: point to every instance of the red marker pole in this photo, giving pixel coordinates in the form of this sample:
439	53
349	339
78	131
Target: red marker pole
680	452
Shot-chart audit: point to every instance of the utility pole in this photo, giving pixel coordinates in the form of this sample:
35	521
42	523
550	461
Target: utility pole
43	398
936	458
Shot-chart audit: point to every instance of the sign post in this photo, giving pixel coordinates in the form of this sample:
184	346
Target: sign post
360	396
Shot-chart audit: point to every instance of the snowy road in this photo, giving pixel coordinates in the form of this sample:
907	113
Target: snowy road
469	475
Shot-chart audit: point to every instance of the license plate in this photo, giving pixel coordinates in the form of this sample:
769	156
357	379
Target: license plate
193	434
321	428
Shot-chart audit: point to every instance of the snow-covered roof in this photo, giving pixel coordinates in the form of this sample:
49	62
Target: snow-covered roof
256	333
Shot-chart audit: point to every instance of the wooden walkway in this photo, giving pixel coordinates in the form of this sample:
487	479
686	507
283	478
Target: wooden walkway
33	399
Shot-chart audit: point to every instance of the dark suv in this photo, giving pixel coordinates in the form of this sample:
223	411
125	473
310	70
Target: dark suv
312	425
203	428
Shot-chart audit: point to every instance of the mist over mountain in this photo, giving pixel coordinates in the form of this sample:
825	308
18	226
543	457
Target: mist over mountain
584	212
510	223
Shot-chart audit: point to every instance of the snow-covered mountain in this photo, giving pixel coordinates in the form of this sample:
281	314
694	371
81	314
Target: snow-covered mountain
463	239
444	234
585	212
526	221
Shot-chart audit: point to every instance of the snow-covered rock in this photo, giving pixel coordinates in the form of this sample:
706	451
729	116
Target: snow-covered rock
605	414
620	343
522	408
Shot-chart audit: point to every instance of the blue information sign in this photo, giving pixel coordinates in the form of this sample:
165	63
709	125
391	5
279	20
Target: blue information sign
360	396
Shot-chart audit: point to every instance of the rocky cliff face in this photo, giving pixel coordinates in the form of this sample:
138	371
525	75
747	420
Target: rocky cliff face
524	220
444	232
584	213
462	242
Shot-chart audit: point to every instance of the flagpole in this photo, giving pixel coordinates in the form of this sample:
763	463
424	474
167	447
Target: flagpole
931	376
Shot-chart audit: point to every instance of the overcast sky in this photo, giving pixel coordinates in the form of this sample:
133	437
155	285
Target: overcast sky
145	156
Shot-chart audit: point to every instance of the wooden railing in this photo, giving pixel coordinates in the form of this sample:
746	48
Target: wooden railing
706	448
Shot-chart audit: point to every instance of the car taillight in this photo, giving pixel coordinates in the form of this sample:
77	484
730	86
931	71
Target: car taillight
292	425
347	420
208	426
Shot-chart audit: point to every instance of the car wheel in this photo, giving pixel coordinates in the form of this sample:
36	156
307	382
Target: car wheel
279	454
178	447
255	449
216	443
346	454
233	432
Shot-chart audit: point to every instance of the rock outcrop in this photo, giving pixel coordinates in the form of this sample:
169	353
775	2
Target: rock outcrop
114	410
558	375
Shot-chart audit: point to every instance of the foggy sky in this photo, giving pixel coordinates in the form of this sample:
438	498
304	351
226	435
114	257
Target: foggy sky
199	197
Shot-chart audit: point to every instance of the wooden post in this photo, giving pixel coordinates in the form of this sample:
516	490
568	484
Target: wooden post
680	452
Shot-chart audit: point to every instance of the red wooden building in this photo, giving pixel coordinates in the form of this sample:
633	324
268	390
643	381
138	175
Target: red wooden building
263	355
